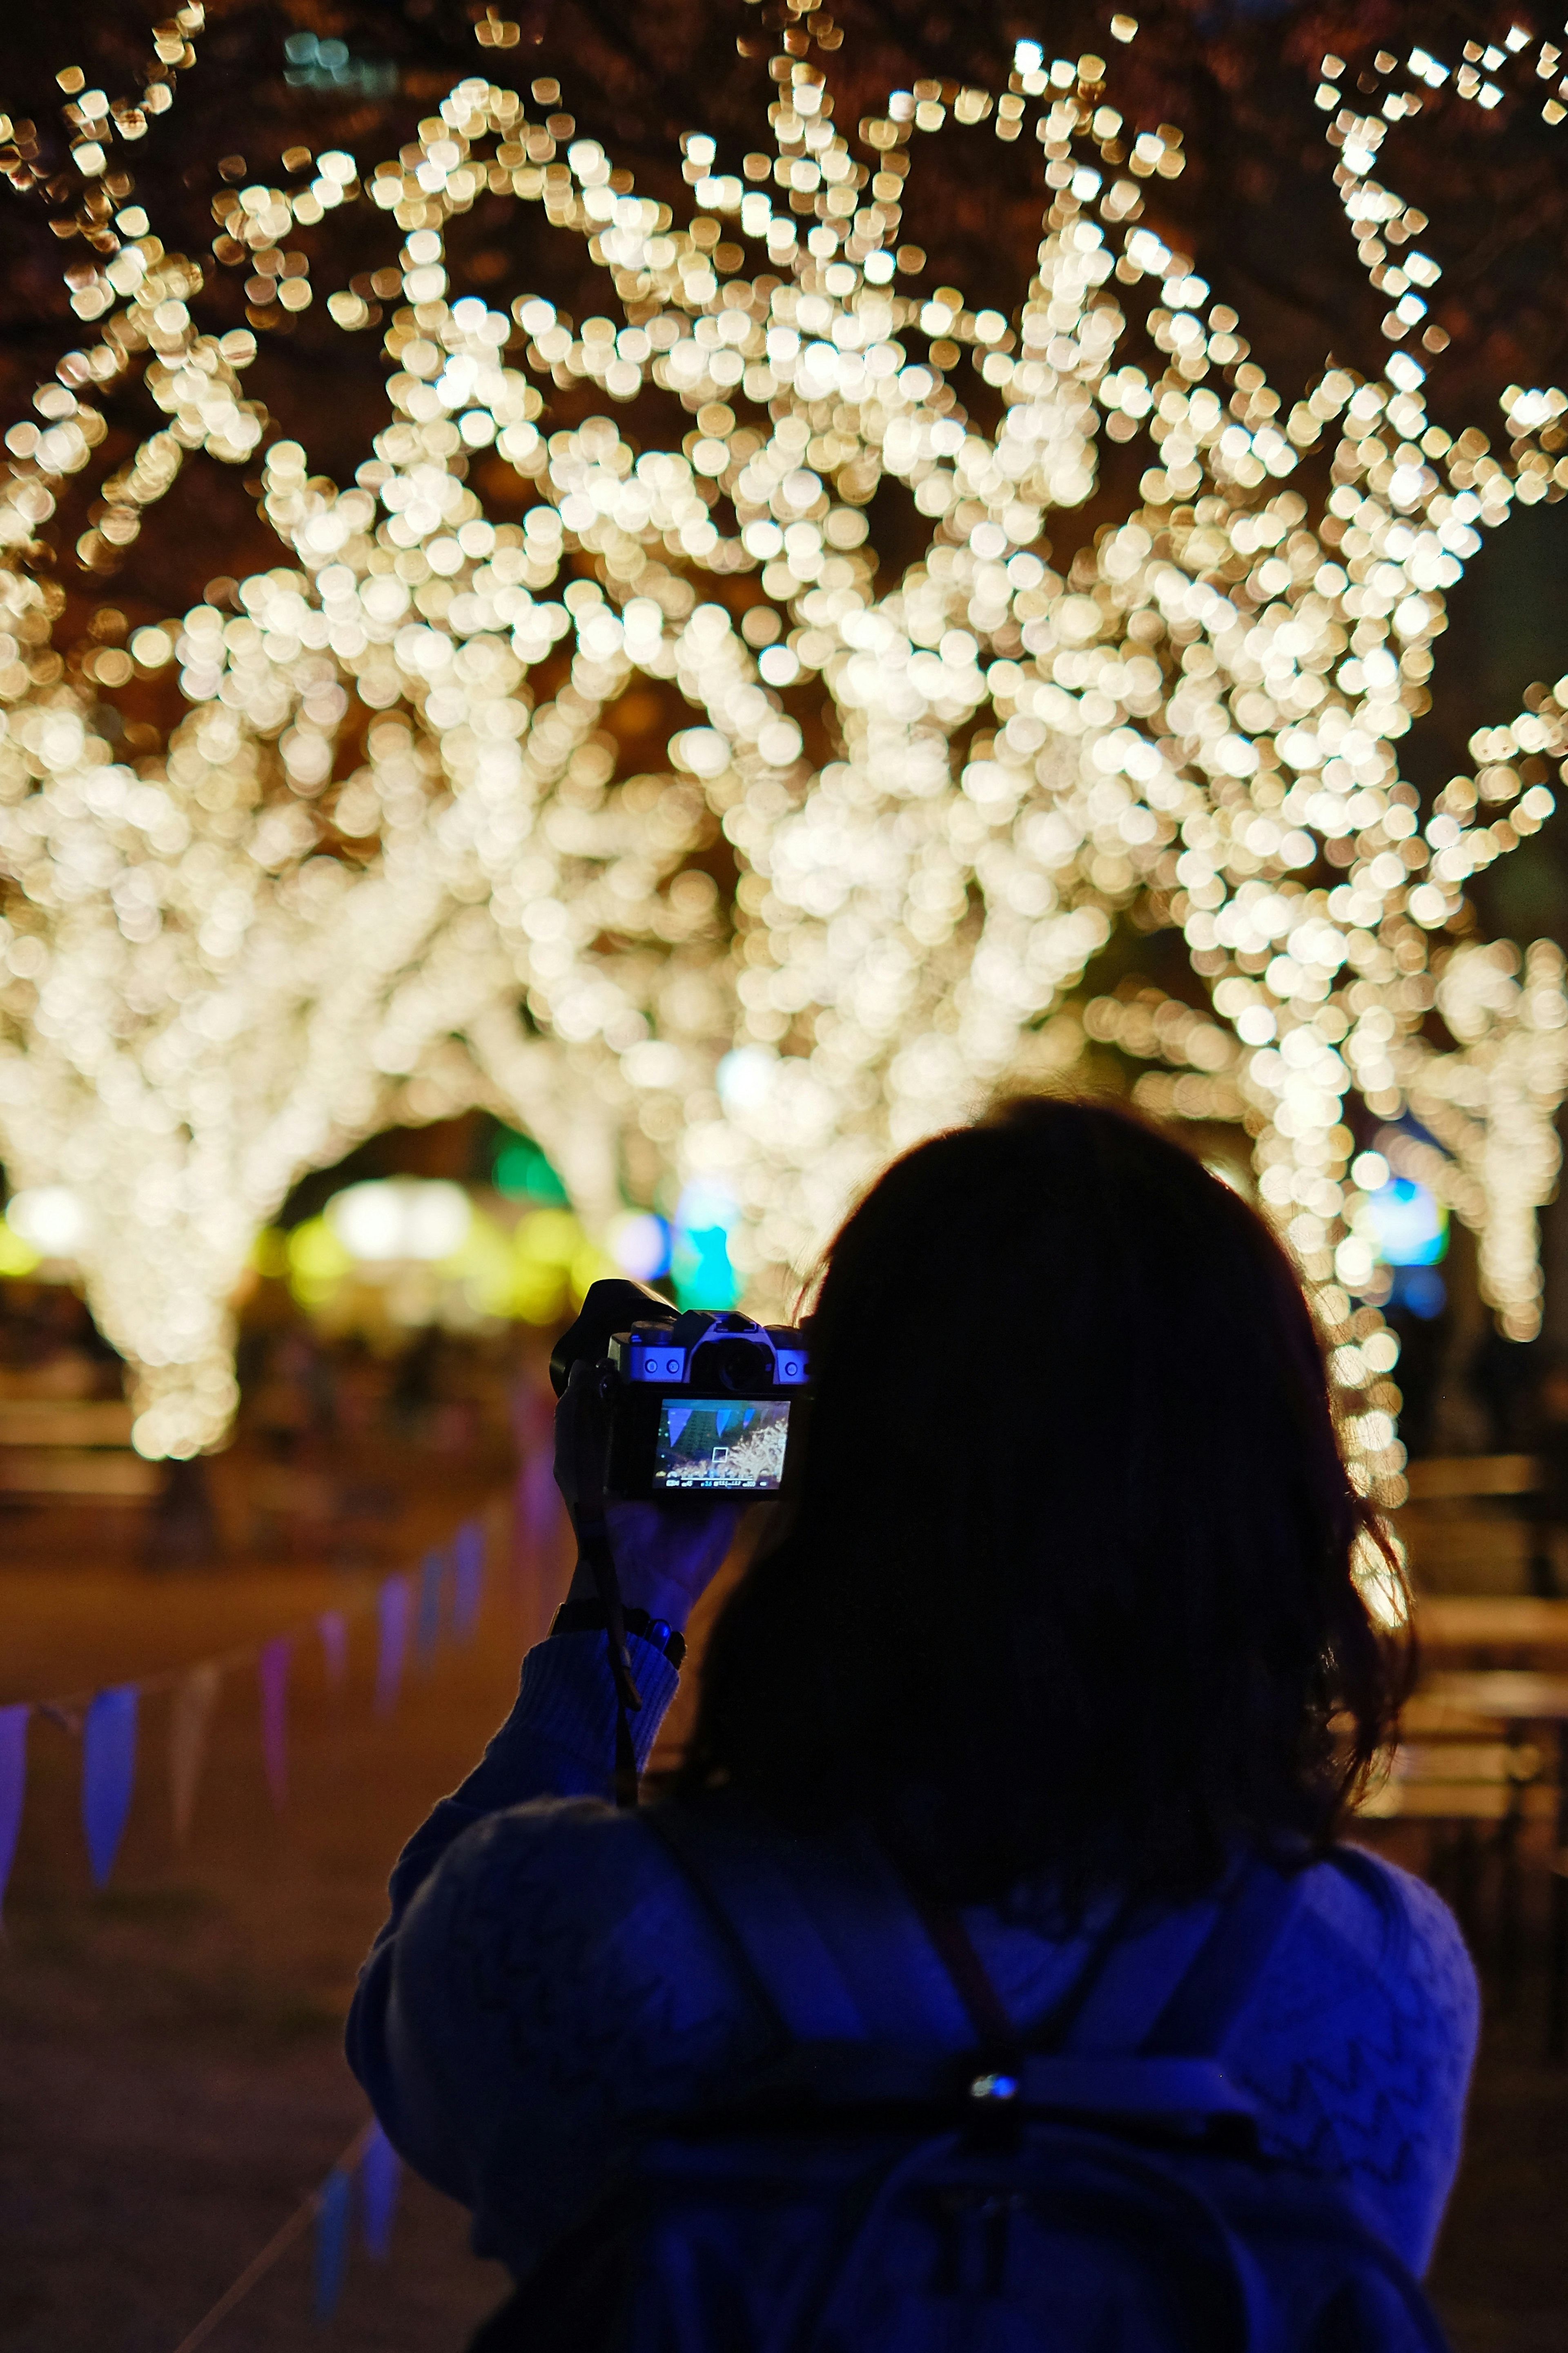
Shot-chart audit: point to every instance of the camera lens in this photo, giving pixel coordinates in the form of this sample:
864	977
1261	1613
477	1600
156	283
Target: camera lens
741	1367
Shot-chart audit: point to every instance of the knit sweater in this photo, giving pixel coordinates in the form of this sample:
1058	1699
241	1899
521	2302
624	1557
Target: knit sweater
549	1988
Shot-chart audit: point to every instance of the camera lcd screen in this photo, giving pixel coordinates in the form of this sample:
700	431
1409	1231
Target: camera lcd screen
710	1442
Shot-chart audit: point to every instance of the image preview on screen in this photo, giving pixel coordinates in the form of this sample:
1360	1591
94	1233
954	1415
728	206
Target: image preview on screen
706	1442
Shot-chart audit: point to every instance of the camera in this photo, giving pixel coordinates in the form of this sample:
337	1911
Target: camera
699	1403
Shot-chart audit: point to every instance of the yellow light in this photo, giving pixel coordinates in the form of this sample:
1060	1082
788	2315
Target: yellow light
232	962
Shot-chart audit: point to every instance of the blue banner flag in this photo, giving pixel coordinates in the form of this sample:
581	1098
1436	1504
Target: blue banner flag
391	1612
13	1783
108	1772
333	1629
467	1577
190	1719
381	2171
428	1627
272	1673
331	2241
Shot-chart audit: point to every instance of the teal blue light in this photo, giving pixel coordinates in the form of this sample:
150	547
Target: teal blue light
699	1265
1411	1226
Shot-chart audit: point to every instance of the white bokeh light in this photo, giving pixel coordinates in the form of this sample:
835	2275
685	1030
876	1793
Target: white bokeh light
228	964
53	1219
401	1217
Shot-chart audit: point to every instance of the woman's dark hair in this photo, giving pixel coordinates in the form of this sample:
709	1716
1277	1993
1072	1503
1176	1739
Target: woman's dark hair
1067	1586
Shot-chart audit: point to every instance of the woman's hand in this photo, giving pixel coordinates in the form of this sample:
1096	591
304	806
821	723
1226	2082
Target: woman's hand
666	1554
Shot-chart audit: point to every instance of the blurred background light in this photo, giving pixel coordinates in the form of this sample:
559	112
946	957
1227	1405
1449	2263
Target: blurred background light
522	1172
745	1078
640	1244
701	1266
1420	1290
401	1217
1025	761
51	1218
1410	1227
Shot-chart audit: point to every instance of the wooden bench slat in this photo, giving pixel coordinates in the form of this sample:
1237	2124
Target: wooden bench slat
63	1470
49	1421
1435	1477
1459	1801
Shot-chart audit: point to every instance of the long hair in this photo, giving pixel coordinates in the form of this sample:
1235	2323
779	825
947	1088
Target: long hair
1067	1586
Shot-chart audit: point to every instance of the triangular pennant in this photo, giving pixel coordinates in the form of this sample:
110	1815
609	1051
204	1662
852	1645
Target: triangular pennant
272	1675
13	1783
380	2172
190	1718
427	1626
393	1604
533	1419
535	1495
467	1577
108	1775
331	2241
536	1524
521	1566
541	1497
333	1629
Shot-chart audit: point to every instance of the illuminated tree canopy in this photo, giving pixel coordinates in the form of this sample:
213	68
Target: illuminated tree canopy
696	672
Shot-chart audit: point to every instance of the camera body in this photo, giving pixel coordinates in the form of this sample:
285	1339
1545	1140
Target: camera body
704	1402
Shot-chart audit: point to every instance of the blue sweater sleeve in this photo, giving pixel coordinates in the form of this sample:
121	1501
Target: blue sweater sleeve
1359	2046
557	1743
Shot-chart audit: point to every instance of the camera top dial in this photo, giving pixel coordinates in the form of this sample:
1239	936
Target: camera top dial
707	1348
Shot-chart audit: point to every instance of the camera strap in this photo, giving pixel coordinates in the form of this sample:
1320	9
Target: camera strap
593	1546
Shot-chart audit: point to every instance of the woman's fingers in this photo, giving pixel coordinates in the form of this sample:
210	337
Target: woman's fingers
666	1555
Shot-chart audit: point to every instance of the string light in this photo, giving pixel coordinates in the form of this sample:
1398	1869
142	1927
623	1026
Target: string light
239	959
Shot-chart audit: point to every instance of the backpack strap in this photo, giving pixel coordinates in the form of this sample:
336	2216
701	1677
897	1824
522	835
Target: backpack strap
1124	1984
988	2013
1251	1924
822	1928
1141	2033
872	1994
1176	1993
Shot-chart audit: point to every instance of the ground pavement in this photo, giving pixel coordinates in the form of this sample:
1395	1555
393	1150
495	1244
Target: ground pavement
171	2081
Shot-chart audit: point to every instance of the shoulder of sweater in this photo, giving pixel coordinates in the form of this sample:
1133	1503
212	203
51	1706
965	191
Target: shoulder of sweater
575	1875
568	1930
1381	1908
1367	1923
582	1845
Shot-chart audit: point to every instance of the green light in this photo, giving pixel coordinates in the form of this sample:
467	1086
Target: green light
522	1173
